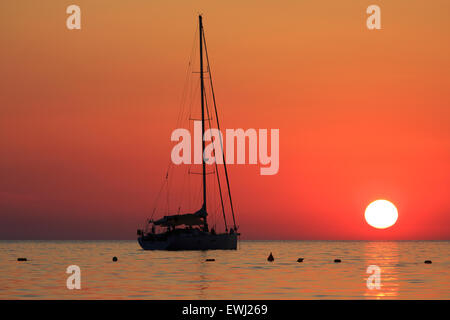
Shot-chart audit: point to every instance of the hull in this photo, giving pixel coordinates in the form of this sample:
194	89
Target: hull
202	241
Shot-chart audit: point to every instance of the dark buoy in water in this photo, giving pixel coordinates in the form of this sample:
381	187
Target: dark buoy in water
427	262
115	259
270	257
300	260
210	259
337	260
22	259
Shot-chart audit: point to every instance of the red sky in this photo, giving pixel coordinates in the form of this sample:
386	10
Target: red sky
86	115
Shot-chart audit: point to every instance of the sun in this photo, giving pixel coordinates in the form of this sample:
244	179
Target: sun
381	214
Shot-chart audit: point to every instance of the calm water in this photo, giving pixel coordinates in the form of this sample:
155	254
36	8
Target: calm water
241	274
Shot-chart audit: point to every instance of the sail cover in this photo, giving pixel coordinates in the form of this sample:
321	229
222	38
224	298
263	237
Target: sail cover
189	219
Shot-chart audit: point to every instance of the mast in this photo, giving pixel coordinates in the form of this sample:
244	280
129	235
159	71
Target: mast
202	87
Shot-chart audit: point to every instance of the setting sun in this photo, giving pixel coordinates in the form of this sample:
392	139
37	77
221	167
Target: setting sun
381	214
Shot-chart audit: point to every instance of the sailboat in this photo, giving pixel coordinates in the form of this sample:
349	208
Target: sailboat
190	231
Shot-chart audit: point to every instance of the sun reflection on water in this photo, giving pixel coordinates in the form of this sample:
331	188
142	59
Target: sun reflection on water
385	256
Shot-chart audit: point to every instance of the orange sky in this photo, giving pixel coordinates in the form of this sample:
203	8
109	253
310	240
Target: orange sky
86	116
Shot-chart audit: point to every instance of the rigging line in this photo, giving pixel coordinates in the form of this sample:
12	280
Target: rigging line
215	163
157	199
193	93
186	81
184	95
218	127
207	173
197	195
179	119
182	192
189	203
167	198
202	91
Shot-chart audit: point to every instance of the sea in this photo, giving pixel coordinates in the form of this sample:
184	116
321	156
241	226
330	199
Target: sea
368	270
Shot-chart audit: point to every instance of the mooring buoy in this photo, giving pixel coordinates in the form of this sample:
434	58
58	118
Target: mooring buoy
114	259
22	259
270	257
427	262
337	260
300	260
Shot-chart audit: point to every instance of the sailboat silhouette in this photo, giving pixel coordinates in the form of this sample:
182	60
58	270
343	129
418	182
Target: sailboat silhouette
190	231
